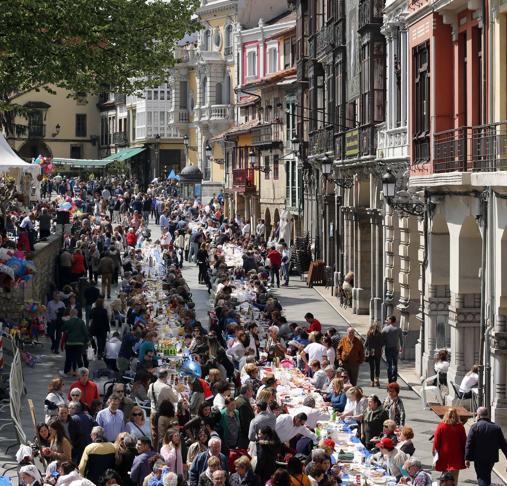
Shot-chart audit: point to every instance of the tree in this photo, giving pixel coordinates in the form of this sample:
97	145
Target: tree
87	46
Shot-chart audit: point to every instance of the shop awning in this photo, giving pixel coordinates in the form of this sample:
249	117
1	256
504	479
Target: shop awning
83	163
125	154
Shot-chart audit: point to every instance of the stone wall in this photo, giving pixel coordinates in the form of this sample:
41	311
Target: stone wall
46	253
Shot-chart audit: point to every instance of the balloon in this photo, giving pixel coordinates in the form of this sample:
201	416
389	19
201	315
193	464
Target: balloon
65	206
17	266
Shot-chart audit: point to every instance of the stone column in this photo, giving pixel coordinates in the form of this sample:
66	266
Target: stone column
388	261
376	265
464	322
403	66
499	372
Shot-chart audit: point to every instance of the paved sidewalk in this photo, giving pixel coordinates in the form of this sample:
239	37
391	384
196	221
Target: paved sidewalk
421	420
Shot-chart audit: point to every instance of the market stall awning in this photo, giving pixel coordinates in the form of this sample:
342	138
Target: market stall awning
83	163
125	154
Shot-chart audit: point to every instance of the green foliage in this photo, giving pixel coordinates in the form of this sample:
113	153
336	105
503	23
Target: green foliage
87	45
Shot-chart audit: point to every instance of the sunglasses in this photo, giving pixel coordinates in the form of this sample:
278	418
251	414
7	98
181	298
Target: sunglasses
137	414
75	395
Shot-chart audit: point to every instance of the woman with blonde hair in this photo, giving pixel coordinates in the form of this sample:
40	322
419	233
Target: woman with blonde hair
356	404
244	474
54	399
337	397
449	442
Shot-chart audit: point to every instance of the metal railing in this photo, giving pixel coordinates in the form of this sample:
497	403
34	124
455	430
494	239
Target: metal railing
243	178
321	141
481	148
220	112
120	138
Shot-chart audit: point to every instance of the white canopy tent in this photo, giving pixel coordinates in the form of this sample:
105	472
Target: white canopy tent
14	166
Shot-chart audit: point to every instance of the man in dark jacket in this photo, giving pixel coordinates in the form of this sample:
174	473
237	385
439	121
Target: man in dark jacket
200	462
246	414
484	441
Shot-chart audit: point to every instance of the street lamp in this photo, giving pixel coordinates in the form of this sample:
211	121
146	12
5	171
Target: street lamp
327	168
253	157
404	201
208	150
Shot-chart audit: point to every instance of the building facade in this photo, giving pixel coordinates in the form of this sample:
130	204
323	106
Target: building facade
58	125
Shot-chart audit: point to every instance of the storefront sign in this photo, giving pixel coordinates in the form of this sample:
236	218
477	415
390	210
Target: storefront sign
352	143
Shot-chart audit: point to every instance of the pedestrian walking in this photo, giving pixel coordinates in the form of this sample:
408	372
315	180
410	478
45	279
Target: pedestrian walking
373	352
484	440
393	340
275	260
350	353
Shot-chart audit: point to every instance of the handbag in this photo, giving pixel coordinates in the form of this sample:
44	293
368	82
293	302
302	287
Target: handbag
90	354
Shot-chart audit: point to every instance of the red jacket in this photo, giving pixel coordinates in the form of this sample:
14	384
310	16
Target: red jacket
89	392
78	263
275	257
131	239
449	442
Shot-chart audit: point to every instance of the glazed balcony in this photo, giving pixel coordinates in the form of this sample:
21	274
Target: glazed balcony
36	131
481	148
370	14
243	180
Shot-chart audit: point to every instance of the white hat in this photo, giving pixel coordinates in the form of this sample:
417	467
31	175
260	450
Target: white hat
32	471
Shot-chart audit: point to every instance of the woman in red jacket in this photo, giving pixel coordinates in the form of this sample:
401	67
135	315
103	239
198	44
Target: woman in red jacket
78	268
449	442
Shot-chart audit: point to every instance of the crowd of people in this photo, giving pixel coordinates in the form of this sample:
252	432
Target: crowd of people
220	421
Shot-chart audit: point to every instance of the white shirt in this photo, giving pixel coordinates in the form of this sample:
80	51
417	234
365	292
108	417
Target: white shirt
468	382
314	415
319	379
286	429
315	351
219	401
331	355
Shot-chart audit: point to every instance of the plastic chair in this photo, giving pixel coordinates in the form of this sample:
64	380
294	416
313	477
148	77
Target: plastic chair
430	392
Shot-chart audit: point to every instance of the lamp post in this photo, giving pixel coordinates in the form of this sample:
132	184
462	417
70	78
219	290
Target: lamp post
185	143
327	169
404	201
207	169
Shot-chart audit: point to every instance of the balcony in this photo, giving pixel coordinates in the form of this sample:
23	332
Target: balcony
321	141
179	116
323	41
267	135
120	138
214	113
471	149
112	99
36	131
243	180
370	14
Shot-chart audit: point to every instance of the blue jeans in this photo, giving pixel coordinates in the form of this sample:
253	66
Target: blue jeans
392	364
483	472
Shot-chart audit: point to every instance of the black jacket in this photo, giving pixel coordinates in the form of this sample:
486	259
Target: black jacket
483	442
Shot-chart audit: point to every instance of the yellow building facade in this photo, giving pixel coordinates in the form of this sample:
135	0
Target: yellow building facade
58	125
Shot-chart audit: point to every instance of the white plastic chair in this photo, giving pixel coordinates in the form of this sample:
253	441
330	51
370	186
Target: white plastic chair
431	393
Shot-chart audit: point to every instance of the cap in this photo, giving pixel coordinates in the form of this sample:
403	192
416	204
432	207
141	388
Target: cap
386	443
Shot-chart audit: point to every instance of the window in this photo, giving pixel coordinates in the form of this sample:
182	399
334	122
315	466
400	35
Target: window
155	94
204	91
217	38
379	76
228	40
206	40
275	167
149	94
218	94
365	107
266	167
339	96
133	125
183	95
287	54
36	127
251	71
272	59
80	124
76	152
162	95
227	90
421	134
